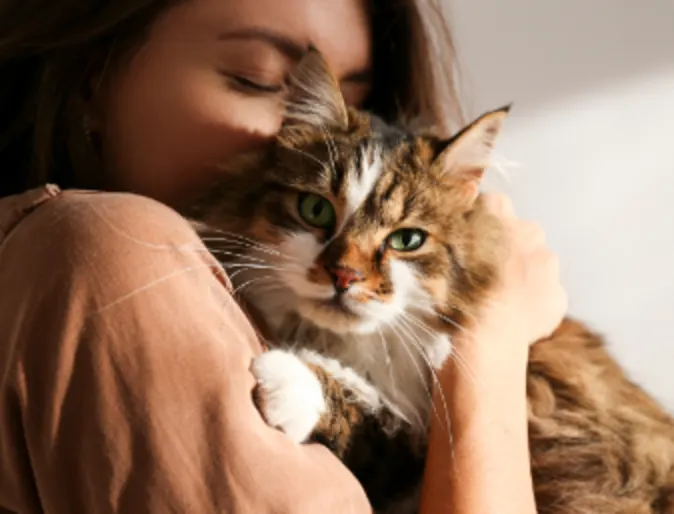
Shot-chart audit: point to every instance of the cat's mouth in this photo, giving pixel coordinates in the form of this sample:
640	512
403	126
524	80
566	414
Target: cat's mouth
338	304
335	313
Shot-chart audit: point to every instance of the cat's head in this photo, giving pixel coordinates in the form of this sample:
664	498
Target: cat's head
353	224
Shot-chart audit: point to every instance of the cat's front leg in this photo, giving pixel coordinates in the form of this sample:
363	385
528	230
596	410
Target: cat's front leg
302	392
314	398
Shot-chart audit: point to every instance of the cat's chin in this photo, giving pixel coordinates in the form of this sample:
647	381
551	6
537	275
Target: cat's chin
335	316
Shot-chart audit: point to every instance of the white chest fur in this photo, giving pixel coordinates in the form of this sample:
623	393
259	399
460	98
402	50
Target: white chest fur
399	364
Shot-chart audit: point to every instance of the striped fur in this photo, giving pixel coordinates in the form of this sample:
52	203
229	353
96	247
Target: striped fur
358	365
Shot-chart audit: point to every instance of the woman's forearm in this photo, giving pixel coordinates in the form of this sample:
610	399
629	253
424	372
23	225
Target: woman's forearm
481	466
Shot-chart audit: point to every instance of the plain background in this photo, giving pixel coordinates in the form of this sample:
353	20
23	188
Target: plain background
592	130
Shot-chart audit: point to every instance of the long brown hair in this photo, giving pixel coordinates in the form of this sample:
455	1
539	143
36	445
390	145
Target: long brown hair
50	50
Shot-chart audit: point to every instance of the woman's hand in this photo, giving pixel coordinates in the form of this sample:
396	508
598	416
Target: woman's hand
480	464
529	302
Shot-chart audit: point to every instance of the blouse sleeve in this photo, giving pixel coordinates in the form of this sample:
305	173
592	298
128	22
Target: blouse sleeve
124	375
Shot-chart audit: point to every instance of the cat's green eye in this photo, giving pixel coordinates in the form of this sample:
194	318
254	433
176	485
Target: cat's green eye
407	239
316	211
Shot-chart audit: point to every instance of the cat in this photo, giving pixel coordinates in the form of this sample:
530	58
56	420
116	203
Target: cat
365	247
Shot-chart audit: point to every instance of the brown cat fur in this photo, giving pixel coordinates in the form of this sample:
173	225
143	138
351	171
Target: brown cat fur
599	444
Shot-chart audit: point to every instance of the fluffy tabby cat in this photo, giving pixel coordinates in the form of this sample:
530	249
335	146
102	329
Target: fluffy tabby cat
365	247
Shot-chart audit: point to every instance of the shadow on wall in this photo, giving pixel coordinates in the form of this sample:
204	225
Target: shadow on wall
533	52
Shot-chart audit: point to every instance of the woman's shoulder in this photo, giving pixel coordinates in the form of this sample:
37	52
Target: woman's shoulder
69	226
81	251
89	235
89	217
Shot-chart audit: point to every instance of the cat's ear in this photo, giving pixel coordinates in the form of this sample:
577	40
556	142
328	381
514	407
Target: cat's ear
463	159
314	98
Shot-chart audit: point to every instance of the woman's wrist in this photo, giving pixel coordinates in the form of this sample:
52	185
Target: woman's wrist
485	448
488	358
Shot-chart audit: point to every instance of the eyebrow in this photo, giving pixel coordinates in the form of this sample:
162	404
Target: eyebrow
292	49
287	46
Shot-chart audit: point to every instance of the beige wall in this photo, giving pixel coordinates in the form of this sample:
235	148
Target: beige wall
592	129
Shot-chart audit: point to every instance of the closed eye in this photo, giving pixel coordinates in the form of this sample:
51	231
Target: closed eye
247	85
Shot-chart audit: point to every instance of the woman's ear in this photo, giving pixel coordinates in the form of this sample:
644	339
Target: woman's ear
314	98
463	159
90	103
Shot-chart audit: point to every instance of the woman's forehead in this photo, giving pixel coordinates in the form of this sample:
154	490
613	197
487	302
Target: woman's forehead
340	29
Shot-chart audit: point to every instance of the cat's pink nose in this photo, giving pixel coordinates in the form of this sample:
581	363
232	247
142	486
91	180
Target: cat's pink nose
344	277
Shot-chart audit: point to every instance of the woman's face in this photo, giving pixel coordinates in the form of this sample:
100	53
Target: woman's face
207	85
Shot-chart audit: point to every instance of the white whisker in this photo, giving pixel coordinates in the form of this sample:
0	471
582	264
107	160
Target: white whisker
251	266
217	252
240	287
454	324
223	242
332	149
394	325
463	364
414	339
313	158
150	285
226	235
387	360
438	386
232	275
502	165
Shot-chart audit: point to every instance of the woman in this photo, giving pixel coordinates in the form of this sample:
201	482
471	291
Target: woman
125	383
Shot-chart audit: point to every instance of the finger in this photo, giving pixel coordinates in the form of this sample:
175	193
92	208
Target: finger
500	205
530	236
563	301
544	265
554	266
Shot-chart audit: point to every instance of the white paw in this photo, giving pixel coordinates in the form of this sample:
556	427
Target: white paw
290	396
